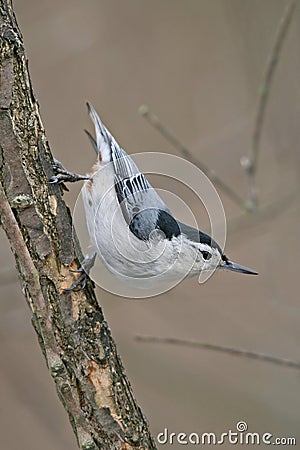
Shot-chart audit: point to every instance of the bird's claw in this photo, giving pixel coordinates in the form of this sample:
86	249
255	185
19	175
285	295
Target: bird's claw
62	175
80	283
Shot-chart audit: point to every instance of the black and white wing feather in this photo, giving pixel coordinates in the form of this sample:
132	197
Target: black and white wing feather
142	207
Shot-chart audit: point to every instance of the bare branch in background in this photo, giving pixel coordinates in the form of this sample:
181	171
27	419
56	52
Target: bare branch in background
250	164
264	214
76	341
186	153
219	348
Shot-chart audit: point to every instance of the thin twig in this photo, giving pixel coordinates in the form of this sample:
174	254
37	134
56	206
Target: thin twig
157	124
266	212
250	164
220	348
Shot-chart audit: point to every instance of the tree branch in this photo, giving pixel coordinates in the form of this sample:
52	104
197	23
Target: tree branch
75	339
220	348
186	153
250	164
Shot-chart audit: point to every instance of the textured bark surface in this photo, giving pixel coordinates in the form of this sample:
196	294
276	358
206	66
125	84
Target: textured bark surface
74	336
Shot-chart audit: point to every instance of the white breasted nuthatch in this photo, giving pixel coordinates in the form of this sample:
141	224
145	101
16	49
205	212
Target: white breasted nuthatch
132	230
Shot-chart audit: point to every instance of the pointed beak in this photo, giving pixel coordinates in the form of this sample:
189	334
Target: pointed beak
230	265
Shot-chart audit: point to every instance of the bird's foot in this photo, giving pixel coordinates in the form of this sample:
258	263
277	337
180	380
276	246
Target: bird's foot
62	175
84	271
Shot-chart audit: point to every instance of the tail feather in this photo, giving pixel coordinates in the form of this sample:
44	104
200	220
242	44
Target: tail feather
102	143
92	141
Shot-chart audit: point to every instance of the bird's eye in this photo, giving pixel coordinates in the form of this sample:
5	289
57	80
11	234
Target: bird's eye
206	255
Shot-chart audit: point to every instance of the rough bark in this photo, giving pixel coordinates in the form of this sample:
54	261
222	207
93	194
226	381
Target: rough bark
75	339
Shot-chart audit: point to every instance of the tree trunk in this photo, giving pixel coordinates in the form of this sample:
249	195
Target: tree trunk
75	339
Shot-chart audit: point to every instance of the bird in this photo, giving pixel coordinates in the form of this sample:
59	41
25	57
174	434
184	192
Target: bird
131	229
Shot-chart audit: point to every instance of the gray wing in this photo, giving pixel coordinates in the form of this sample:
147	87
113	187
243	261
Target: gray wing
134	192
142	207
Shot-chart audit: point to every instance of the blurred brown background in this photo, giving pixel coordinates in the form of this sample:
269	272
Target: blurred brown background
198	64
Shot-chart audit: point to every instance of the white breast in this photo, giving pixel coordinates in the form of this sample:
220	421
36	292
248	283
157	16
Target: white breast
122	253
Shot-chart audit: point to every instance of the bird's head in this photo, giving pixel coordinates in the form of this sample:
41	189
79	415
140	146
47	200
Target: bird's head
206	253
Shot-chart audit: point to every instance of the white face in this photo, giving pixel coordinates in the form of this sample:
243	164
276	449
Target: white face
200	256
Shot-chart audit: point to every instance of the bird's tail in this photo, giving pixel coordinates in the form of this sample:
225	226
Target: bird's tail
102	143
109	150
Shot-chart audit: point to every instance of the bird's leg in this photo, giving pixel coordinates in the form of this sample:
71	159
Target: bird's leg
84	271
62	175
